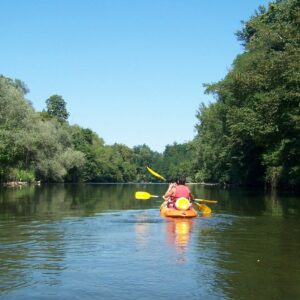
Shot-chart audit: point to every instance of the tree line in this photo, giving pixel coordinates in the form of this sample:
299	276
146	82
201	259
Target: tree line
251	133
44	146
248	136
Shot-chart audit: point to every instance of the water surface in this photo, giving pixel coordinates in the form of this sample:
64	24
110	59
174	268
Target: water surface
98	242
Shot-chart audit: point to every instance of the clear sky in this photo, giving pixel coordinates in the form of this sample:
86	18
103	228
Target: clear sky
130	70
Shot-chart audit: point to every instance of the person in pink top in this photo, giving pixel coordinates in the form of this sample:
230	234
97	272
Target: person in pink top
177	190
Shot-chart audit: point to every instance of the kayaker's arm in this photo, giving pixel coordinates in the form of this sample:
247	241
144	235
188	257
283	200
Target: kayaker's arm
170	191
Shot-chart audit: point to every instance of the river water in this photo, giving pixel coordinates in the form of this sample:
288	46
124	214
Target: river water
95	241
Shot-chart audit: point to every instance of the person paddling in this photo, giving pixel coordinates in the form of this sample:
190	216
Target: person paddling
177	190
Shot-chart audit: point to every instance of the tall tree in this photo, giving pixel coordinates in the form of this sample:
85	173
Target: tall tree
251	134
56	107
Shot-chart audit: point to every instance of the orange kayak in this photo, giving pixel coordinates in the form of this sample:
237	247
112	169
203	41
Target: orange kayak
176	213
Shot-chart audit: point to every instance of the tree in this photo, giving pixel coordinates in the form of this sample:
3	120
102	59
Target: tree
251	134
177	161
16	117
56	107
144	156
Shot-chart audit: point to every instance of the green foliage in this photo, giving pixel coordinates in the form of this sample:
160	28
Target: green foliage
143	157
177	161
92	147
21	175
56	107
43	146
210	146
251	134
16	116
31	144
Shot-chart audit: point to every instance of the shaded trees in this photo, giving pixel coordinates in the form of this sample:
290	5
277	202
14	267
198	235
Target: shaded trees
177	160
251	134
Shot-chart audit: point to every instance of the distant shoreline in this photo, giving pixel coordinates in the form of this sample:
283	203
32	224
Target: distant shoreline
27	183
20	183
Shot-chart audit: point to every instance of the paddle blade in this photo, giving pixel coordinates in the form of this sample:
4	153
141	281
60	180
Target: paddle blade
142	196
156	174
204	209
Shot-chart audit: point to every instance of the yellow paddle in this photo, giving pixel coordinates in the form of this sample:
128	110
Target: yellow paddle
147	196
204	200
156	174
204	208
144	196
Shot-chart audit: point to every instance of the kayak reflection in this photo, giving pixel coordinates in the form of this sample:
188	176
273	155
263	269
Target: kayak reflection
178	232
142	231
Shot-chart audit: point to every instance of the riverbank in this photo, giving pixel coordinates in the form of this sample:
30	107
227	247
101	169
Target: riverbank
20	183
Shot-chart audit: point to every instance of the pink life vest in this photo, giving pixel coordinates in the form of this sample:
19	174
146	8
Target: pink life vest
182	191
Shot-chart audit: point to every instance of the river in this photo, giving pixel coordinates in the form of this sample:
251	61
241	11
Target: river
96	241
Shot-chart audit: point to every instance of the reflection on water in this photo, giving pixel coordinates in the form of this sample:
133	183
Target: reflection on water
59	200
142	231
178	234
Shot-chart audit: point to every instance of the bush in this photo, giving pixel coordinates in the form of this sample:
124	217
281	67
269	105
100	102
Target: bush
22	175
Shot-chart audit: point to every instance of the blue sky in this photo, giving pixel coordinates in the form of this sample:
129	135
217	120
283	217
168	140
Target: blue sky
131	70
